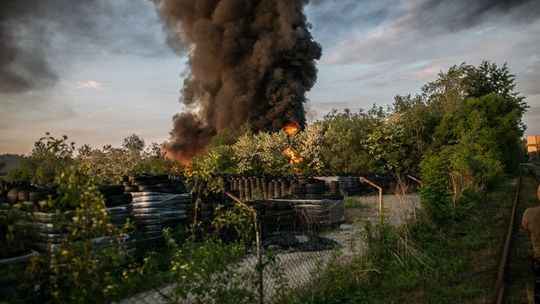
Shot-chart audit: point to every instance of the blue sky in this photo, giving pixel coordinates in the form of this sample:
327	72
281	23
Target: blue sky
115	75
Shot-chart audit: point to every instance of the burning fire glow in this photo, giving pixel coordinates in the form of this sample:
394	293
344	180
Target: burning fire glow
291	129
293	158
177	158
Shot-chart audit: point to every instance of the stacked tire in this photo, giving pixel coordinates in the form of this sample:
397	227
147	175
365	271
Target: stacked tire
153	183
276	216
26	196
319	213
154	211
42	231
118	203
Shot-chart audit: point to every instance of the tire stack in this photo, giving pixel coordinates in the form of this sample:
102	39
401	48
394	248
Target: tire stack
259	188
26	195
297	190
153	183
314	188
42	231
319	213
154	211
275	216
334	189
118	203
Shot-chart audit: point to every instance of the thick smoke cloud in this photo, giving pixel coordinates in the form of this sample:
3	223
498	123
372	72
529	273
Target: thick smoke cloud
251	61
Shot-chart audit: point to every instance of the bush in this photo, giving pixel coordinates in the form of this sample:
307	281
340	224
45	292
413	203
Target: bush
434	191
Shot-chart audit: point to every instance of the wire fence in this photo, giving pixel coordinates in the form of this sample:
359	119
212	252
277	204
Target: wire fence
183	248
296	246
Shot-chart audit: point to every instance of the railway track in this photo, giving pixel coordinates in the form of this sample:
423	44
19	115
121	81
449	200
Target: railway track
515	280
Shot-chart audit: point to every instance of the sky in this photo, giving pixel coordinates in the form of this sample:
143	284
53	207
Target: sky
98	71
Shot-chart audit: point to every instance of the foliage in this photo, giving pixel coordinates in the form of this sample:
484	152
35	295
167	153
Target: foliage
434	191
420	262
109	164
342	149
10	245
203	272
387	148
48	158
309	145
133	143
81	269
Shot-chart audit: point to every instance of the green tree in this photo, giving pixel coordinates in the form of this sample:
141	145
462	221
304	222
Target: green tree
49	157
388	149
344	135
133	143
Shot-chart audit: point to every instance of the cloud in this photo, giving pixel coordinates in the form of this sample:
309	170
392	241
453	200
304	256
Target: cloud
91	84
39	40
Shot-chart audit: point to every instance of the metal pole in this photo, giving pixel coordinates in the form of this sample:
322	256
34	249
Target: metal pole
419	182
258	242
260	265
379	188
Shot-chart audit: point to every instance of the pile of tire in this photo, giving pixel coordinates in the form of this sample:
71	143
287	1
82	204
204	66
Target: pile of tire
13	288
276	216
351	185
118	203
154	211
317	213
23	194
153	183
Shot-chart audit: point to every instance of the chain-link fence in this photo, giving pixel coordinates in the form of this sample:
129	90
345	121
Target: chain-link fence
298	238
251	240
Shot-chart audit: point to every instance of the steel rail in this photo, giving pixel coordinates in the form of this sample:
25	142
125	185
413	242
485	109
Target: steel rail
500	284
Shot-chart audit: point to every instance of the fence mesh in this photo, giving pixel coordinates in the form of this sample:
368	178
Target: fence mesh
296	248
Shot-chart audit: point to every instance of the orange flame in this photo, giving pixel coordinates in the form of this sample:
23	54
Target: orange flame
174	157
293	158
291	129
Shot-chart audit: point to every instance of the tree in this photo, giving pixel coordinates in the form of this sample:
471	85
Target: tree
49	157
343	148
133	143
388	149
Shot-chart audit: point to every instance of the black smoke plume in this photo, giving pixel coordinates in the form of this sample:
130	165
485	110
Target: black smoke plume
251	61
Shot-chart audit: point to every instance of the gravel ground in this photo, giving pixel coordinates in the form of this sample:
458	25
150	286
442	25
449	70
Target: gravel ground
300	268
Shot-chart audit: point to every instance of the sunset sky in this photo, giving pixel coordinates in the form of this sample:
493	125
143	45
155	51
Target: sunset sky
102	71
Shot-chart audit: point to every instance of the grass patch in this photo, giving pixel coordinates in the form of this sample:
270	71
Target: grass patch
421	262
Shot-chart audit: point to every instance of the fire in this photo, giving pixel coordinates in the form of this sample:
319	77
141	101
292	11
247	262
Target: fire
291	129
174	157
293	158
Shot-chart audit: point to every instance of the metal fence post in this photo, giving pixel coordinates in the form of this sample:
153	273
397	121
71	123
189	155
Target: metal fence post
258	242
379	188
260	265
